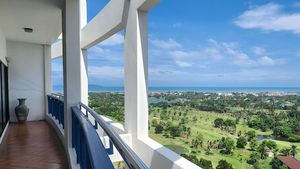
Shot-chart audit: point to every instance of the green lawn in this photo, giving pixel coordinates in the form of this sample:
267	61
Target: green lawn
204	125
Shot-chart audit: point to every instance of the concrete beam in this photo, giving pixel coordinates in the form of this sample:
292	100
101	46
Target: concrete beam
105	24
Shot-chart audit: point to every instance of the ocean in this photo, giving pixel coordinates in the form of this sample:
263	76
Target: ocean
96	88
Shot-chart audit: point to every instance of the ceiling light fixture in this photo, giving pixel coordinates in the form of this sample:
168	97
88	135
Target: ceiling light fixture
28	30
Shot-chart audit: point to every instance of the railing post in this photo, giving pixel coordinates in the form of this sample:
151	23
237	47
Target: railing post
96	124
63	116
73	131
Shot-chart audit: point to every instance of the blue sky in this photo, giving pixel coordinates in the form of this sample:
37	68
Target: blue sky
208	43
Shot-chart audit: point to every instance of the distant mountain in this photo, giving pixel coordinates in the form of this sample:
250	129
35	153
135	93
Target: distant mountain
92	88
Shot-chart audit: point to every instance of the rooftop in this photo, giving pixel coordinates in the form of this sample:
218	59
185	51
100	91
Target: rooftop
290	161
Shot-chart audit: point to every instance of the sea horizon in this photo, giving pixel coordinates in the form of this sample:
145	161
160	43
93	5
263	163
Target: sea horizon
98	88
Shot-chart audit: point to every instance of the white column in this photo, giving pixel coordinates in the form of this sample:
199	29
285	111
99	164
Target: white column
74	66
84	60
136	72
84	77
47	74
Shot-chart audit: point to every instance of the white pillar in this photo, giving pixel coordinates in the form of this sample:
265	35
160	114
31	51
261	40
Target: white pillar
84	77
84	60
74	66
47	74
136	72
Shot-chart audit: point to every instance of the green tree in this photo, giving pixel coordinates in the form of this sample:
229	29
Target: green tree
241	142
293	150
159	129
282	131
198	141
254	157
186	131
256	165
175	131
154	122
191	158
223	164
251	135
285	151
262	150
253	144
226	145
205	164
275	163
229	123
218	122
294	138
272	145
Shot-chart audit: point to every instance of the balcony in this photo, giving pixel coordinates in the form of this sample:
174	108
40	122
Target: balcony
32	145
62	132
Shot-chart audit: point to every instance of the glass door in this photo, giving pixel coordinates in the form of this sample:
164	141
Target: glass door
4	113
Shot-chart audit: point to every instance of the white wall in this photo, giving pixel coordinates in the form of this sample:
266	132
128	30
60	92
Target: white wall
2	48
160	157
26	78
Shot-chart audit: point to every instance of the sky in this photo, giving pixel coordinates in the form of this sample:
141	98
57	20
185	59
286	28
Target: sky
206	43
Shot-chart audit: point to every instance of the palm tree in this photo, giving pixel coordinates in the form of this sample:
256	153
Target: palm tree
293	150
262	149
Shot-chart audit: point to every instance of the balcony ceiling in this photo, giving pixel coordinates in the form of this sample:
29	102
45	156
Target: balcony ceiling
44	16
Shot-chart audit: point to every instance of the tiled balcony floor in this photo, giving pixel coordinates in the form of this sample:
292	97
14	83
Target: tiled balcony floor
32	145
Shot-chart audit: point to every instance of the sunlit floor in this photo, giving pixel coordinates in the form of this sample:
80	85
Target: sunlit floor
32	145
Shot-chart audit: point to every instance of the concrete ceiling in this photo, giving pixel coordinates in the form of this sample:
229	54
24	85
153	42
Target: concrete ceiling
44	16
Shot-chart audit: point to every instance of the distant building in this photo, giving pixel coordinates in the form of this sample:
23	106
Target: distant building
290	162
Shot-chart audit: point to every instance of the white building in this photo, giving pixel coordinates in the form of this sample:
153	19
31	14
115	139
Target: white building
29	32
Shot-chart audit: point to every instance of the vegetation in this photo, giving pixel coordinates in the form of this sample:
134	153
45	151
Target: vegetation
241	142
223	164
243	130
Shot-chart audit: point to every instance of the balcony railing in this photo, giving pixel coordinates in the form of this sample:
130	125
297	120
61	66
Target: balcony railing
56	108
90	150
82	123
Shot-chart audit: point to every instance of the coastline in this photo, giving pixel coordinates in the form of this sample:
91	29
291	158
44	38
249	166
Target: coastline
274	91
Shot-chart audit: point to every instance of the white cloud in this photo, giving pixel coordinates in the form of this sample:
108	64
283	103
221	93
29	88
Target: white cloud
170	75
213	53
258	50
230	51
182	54
183	58
267	61
217	52
116	39
110	72
106	53
269	17
183	64
165	44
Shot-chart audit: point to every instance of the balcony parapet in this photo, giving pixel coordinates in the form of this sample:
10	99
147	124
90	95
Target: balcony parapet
128	155
90	151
